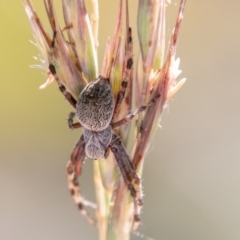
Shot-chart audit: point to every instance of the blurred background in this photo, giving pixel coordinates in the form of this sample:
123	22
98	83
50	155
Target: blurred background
192	172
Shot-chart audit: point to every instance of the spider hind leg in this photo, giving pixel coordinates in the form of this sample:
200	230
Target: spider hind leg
129	175
74	169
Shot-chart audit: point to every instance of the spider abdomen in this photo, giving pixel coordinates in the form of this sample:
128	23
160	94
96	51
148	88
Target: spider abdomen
95	105
96	143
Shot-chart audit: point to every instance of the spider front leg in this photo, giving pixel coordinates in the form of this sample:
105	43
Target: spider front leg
130	116
129	175
70	121
74	169
52	69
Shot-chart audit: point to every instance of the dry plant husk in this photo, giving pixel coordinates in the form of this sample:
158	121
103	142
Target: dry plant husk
156	70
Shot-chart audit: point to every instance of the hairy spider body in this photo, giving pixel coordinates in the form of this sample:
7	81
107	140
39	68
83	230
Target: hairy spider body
95	105
95	110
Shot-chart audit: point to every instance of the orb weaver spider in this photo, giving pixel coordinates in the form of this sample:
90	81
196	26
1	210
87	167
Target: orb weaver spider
94	110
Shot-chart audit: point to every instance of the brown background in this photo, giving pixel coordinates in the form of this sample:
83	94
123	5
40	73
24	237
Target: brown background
192	174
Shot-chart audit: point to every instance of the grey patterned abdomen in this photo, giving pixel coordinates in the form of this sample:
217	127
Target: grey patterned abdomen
95	105
97	142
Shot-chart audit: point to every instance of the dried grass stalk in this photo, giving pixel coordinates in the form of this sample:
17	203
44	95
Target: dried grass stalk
75	58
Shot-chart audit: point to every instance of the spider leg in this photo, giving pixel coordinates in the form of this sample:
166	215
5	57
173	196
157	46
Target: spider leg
128	173
52	69
70	122
127	72
130	116
74	169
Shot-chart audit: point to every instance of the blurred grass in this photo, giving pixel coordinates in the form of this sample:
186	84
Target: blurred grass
191	177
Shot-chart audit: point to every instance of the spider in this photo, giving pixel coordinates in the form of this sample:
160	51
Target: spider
94	111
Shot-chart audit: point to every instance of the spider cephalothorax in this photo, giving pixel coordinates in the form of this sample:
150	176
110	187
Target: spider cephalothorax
95	105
